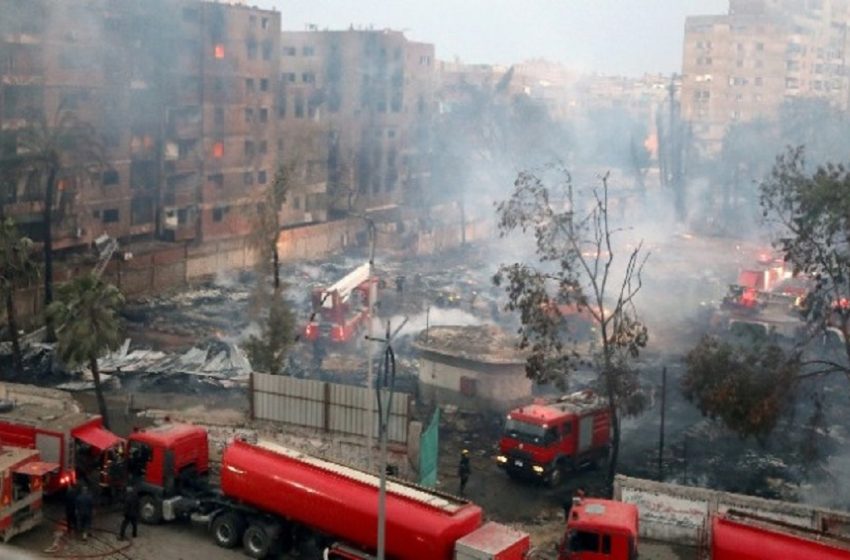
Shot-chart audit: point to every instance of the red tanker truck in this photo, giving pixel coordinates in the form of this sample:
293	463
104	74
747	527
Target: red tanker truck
606	529
269	494
545	439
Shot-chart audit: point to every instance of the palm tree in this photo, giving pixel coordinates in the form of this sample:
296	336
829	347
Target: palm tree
51	154
88	309
17	269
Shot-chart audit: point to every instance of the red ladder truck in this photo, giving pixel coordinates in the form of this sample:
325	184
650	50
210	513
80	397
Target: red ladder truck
342	310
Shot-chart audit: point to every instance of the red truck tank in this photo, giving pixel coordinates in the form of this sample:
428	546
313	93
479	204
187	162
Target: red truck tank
545	439
342	502
736	536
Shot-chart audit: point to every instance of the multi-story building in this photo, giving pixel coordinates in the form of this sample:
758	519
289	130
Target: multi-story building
181	95
745	64
355	109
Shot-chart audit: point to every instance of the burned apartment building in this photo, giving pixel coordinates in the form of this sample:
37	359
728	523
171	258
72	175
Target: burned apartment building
745	64
180	95
355	111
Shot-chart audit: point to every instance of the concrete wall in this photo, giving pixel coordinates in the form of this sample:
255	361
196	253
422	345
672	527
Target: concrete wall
682	514
30	394
497	388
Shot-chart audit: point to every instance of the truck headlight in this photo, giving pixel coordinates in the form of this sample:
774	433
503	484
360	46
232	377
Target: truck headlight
501	459
538	469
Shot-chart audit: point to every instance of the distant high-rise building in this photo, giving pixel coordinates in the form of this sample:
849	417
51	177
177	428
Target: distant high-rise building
745	64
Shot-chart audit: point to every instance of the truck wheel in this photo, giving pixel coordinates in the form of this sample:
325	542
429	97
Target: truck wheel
256	542
227	530
150	510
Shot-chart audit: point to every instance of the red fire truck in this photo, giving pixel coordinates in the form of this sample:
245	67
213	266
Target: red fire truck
76	441
598	529
21	489
545	439
341	310
268	490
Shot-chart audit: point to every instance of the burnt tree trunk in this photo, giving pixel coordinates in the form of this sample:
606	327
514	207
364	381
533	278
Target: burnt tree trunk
49	195
98	391
13	329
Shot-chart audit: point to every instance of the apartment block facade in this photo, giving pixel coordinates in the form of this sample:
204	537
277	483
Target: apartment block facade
745	64
198	104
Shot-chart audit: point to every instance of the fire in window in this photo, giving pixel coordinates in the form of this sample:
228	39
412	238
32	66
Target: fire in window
218	150
218	50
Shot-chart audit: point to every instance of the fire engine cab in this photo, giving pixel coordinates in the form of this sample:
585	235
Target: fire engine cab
600	529
545	439
21	489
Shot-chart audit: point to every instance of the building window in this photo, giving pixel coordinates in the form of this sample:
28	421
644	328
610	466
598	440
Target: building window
110	177
249	85
219	212
218	85
219	115
249	115
249	148
248	178
216	180
265	23
289	51
264	115
262	177
110	216
267	51
264	84
296	203
252	20
190	14
289	77
218	150
299	106
308	77
264	146
759	81
308	51
251	47
218	51
759	47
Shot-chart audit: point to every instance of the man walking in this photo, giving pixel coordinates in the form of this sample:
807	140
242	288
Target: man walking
71	508
131	513
463	470
85	510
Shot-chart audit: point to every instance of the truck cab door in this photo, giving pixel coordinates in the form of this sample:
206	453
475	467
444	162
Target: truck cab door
168	472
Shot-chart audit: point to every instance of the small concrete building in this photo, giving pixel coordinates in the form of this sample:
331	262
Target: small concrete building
476	368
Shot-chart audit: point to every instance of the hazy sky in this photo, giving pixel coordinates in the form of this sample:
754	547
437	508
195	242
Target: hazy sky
608	36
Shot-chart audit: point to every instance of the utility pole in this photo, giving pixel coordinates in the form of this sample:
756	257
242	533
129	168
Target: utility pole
373	294
661	435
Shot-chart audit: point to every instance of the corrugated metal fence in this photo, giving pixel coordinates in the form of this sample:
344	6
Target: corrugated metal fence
329	407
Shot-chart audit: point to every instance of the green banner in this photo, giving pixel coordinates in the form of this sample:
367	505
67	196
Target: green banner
429	446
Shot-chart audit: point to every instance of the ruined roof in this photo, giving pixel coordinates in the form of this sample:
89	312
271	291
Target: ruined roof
480	343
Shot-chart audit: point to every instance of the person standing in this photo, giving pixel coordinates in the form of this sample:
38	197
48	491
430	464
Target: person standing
463	470
131	513
71	508
85	510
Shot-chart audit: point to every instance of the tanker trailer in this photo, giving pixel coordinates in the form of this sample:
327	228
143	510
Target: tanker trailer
743	536
272	487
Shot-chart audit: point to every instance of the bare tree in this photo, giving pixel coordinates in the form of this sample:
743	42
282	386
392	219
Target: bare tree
575	258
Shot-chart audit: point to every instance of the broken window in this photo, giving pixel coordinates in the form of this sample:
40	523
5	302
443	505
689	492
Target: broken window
143	174
141	211
110	177
248	178
262	177
289	77
216	180
308	77
218	50
264	115
218	150
249	148
110	216
264	84
219	212
265	23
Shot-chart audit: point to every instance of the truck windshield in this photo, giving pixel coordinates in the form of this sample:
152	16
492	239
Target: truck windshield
530	433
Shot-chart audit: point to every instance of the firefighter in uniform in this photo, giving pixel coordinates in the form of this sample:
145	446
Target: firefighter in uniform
463	470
